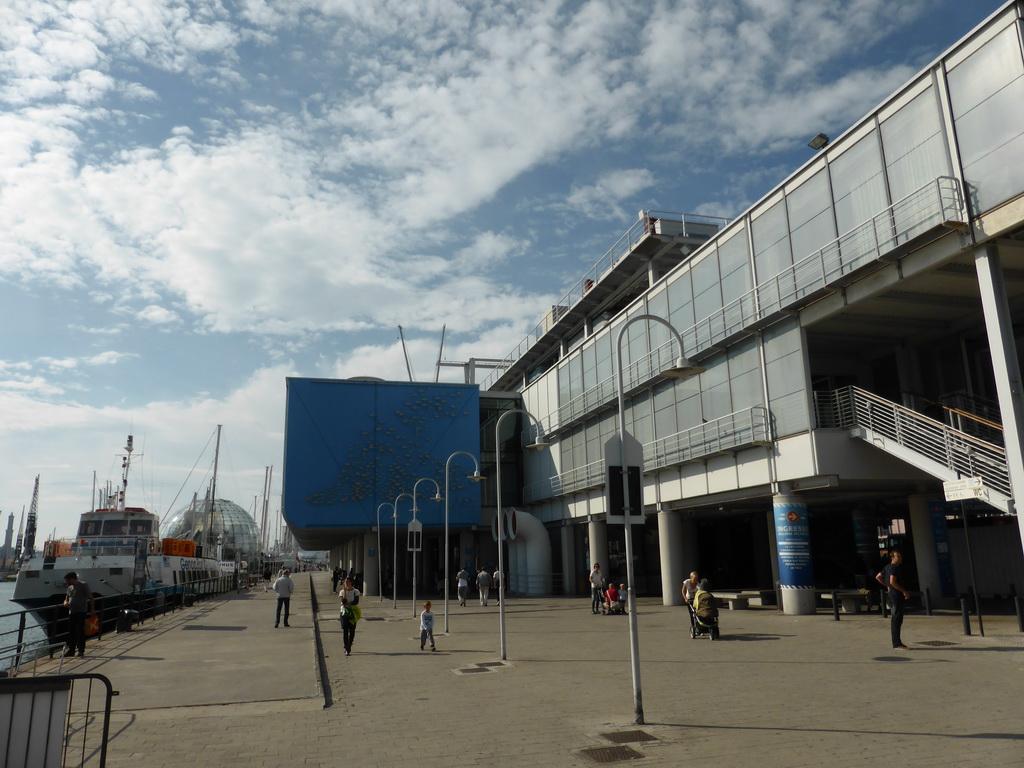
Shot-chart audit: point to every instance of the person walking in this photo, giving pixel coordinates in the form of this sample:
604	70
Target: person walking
81	605
284	586
496	582
266	578
483	585
349	599
891	577
427	626
596	585
462	583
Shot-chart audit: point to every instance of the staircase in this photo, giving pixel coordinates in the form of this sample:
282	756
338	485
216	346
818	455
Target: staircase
928	444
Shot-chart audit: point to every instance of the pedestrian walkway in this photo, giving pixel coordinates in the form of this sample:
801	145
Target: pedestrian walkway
218	685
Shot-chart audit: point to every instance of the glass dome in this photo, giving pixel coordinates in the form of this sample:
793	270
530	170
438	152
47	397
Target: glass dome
240	534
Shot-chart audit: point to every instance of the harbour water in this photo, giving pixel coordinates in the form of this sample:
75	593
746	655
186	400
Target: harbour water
9	624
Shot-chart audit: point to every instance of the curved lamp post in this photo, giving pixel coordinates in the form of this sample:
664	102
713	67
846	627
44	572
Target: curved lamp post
415	509
380	580
394	568
476	477
682	369
539	445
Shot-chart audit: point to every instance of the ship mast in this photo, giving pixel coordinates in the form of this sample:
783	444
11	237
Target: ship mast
213	491
124	473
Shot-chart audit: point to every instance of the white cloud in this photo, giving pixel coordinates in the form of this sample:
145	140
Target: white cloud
602	199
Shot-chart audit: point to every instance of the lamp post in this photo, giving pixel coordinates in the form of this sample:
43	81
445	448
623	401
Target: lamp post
539	445
476	477
415	509
394	567
380	580
681	369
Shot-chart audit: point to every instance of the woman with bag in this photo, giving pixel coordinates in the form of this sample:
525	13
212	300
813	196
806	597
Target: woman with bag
349	613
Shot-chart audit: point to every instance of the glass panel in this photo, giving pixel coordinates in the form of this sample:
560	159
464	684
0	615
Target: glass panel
680	302
745	376
707	295
915	152
787	397
664	409
715	398
734	264
115	527
810	216
771	243
858	184
688	409
987	95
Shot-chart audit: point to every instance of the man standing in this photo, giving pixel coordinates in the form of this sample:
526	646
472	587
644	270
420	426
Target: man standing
284	587
80	604
891	577
596	582
483	584
462	580
496	582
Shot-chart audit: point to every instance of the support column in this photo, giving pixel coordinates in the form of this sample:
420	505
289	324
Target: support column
371	584
796	573
931	548
670	545
597	533
1005	366
569	571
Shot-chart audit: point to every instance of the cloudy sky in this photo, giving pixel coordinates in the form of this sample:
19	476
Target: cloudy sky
198	199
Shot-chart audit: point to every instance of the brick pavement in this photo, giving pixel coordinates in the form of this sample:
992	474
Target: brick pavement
217	685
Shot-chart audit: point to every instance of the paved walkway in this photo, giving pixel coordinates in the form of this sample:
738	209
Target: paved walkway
217	685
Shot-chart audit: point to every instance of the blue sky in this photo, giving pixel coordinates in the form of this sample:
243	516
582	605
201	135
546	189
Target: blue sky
198	199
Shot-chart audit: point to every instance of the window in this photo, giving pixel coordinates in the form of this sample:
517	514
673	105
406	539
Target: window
858	184
915	151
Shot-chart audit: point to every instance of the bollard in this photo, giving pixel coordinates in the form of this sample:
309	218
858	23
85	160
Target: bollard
927	601
835	607
1020	615
965	614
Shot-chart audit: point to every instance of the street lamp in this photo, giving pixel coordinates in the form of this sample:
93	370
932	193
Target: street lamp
437	497
539	445
476	477
394	567
681	369
380	580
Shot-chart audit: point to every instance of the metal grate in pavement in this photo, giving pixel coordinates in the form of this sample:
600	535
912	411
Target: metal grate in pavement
471	670
936	643
610	754
622	737
491	664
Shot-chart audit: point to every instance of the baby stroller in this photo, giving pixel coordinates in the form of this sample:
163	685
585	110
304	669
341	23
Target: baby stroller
703	614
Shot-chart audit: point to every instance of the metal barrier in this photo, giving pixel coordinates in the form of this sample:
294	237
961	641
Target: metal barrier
60	721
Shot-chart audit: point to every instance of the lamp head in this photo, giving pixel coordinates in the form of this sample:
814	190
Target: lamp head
540	443
683	369
818	141
476	477
437	496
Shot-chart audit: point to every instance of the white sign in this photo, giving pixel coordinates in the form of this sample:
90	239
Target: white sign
967	488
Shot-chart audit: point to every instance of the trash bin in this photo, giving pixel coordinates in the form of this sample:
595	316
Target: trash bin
125	619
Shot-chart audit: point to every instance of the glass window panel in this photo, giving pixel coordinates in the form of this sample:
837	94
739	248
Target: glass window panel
664	409
688	408
603	345
680	302
640	422
707	294
984	72
915	151
714	384
589	357
858	184
810	216
787	397
734	261
771	243
991	139
745	376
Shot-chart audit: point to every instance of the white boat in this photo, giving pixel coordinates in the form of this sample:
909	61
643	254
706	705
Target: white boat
118	552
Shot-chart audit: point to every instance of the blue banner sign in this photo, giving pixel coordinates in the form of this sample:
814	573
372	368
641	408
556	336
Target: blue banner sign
793	534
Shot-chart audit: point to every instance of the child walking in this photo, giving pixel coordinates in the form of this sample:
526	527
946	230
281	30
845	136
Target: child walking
427	626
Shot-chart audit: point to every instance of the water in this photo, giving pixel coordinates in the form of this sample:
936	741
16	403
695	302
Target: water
9	624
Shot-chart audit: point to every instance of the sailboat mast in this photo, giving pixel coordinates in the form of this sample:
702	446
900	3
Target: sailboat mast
213	489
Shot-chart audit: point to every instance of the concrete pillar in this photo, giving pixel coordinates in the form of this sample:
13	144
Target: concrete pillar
1005	366
796	572
370	559
569	580
670	544
597	533
931	549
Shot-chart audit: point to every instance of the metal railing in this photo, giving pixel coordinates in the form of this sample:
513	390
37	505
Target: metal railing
731	432
57	721
961	453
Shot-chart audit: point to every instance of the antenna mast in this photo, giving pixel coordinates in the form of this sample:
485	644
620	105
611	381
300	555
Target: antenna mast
408	365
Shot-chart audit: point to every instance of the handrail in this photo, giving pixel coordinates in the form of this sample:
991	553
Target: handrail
960	452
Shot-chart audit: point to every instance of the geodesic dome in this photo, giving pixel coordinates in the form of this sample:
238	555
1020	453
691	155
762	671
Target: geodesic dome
227	519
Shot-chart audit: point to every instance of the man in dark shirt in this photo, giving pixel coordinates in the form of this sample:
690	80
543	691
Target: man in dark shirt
80	604
891	577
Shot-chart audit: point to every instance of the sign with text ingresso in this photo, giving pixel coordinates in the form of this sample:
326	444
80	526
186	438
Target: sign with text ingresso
615	497
965	488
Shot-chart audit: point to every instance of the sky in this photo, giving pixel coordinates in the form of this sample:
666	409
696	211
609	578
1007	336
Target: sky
200	199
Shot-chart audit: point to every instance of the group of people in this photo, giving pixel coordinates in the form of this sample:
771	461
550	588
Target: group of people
485	582
605	597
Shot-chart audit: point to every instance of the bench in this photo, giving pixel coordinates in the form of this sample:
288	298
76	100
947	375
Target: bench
735	600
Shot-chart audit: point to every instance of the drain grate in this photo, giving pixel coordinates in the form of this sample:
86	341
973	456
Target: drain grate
490	663
622	737
936	643
610	754
471	670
